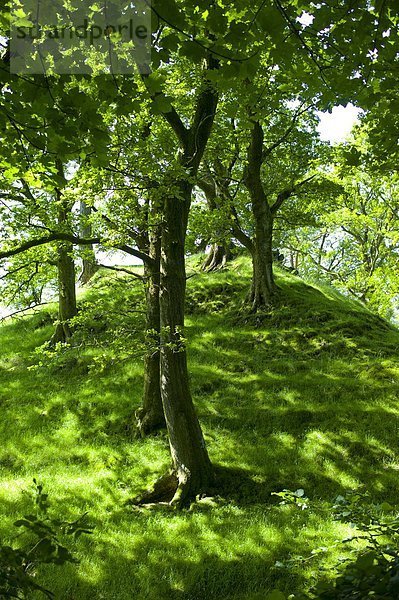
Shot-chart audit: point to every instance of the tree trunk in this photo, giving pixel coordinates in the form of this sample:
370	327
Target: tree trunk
192	468
263	286
66	274
89	263
190	458
217	258
89	267
150	416
67	293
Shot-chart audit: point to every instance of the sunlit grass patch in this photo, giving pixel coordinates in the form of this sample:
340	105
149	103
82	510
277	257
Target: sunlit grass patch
304	398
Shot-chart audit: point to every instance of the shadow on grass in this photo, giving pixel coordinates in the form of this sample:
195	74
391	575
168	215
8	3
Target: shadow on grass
306	399
185	556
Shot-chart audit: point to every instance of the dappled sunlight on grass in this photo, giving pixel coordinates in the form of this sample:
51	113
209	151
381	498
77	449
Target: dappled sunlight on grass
304	396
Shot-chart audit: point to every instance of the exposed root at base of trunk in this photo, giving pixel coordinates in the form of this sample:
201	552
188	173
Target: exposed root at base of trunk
257	307
149	422
260	306
61	334
184	494
252	315
89	270
216	259
260	303
168	490
163	491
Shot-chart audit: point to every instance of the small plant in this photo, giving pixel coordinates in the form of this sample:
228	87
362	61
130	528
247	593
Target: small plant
42	546
373	571
297	498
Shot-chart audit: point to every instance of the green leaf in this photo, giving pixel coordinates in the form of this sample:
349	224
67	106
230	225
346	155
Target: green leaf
169	12
154	83
192	50
269	20
170	42
161	104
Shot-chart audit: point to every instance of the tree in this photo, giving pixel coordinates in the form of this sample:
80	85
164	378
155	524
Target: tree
276	167
67	308
26	208
355	243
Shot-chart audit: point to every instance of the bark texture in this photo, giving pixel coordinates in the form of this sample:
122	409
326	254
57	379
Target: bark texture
67	308
190	460
89	268
263	285
150	416
189	454
67	293
217	258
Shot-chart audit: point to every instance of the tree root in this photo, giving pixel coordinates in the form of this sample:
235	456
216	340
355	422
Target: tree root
216	259
61	334
168	490
148	422
163	490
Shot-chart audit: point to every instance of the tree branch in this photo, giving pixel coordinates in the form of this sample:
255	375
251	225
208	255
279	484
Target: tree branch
22	310
284	195
172	117
121	269
65	237
267	151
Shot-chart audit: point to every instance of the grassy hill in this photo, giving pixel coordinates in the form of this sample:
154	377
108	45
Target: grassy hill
305	397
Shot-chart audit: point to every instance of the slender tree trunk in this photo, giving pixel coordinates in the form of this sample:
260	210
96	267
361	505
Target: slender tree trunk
263	286
190	458
67	293
219	254
192	469
67	308
150	416
89	263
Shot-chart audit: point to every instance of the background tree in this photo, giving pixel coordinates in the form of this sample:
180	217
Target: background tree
355	244
249	185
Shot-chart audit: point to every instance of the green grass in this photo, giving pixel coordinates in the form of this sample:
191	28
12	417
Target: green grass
306	396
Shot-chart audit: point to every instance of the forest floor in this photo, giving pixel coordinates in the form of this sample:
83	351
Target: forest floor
304	397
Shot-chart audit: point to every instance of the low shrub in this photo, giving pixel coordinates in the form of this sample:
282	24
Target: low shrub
38	544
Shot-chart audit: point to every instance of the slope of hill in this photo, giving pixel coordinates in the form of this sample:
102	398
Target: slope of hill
303	397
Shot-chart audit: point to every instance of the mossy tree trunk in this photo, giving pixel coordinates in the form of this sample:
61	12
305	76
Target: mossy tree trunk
190	458
218	194
150	416
66	293
263	287
190	461
67	308
220	252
